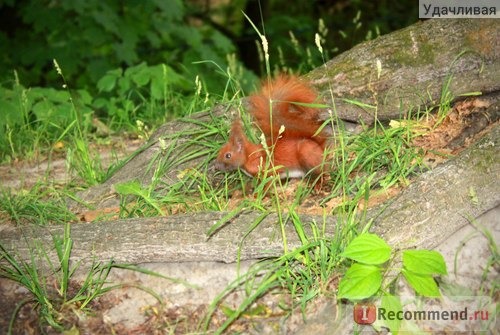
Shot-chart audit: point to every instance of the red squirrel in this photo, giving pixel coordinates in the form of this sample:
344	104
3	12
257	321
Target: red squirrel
298	149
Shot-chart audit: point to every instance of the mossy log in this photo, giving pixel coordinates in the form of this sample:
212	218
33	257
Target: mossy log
408	70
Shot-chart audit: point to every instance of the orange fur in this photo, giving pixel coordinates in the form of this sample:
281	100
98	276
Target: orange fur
284	101
293	153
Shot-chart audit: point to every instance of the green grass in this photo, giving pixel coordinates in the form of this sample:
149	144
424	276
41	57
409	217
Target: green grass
59	299
52	304
41	205
302	273
375	159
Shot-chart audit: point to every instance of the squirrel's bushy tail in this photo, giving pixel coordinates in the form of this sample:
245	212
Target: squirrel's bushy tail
287	101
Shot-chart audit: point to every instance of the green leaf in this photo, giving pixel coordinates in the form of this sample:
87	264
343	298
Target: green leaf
158	88
124	84
141	77
424	262
422	284
107	83
133	187
391	303
12	113
360	282
368	249
162	76
84	97
172	10
43	109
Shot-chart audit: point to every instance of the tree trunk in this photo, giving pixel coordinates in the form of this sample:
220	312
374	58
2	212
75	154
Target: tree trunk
417	64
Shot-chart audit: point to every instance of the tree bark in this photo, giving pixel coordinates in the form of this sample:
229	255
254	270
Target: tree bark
416	64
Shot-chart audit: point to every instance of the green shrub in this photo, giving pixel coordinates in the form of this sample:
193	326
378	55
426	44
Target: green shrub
89	38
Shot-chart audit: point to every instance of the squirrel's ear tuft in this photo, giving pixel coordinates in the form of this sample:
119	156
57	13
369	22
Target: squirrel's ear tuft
236	133
238	142
236	127
237	136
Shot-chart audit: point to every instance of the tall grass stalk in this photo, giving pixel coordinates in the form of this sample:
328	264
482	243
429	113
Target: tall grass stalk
80	158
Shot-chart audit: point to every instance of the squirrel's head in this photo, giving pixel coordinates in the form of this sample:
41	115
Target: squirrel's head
232	155
229	158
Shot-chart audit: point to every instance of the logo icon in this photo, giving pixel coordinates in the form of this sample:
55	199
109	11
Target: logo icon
364	313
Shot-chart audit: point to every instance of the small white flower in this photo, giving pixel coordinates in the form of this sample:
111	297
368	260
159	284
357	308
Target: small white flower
379	68
317	40
265	46
58	68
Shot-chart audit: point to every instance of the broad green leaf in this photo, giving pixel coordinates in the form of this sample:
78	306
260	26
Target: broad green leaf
57	95
162	78
424	262
124	84
422	284
43	109
85	97
107	83
126	50
173	10
11	113
49	94
391	303
142	77
360	282
368	249
158	88
101	103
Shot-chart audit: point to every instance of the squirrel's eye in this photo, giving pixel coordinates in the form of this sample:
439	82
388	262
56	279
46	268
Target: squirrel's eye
228	155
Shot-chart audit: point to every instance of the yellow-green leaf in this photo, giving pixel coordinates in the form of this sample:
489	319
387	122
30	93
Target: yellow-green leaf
368	249
422	284
424	262
360	281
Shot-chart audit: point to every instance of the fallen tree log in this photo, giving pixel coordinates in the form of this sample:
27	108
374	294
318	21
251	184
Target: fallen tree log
434	206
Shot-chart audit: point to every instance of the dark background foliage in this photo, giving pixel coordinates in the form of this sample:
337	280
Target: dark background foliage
71	65
90	37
